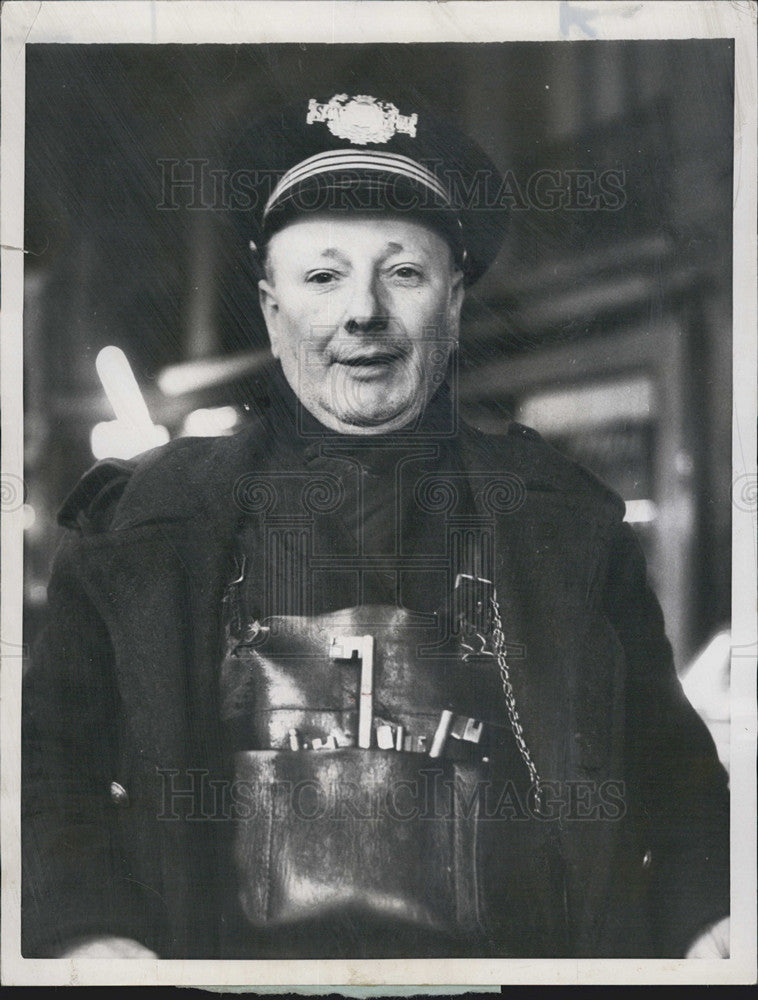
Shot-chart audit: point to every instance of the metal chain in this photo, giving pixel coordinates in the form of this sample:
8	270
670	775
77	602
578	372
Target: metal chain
498	642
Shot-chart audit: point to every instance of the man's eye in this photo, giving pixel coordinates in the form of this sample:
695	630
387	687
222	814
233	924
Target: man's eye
406	272
320	277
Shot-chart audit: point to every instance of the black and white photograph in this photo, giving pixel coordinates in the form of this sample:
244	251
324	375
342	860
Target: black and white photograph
378	492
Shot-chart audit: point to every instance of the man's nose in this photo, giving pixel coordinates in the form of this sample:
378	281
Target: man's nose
366	310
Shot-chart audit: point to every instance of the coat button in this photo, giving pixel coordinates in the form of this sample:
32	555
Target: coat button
119	795
647	859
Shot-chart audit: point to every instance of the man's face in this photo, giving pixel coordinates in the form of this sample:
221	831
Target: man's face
362	312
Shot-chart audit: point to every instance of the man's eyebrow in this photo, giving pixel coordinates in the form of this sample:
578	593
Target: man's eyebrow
392	247
333	253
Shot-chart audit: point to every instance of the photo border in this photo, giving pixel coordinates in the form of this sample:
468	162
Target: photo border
341	21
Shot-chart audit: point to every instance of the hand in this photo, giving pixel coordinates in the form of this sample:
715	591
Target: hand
107	947
712	943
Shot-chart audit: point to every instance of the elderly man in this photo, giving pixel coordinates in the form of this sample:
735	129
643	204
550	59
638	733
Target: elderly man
361	681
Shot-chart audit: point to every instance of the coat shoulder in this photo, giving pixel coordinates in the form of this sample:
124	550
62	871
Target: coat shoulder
90	503
523	452
176	480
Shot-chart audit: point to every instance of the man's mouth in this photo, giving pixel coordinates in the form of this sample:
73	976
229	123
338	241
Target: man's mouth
369	360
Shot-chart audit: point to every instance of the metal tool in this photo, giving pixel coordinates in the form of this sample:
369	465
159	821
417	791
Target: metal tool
360	647
466	728
441	734
385	738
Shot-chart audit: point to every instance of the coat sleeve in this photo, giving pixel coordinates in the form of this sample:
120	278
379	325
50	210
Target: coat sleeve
673	768
74	877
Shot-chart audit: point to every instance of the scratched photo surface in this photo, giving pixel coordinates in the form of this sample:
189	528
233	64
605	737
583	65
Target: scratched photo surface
378	460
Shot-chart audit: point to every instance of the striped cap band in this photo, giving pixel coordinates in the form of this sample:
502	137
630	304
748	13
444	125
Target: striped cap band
354	159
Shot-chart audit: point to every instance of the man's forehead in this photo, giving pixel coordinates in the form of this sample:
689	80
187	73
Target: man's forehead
332	235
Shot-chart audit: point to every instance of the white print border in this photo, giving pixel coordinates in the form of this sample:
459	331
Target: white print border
419	20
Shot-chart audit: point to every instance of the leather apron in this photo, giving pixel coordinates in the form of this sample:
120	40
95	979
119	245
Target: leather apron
398	847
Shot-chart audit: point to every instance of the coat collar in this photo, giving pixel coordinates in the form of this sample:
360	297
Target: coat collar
201	479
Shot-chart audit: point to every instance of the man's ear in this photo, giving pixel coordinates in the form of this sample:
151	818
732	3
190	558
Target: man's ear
270	310
457	292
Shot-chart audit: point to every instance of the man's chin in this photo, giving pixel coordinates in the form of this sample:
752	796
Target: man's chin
372	420
368	407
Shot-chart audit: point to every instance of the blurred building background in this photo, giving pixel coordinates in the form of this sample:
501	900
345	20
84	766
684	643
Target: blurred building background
605	322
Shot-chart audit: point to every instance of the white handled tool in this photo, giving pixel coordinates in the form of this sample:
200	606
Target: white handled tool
350	647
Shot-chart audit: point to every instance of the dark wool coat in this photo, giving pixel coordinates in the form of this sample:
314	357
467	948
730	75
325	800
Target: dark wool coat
124	688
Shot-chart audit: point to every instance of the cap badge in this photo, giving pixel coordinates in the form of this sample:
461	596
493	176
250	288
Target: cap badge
361	119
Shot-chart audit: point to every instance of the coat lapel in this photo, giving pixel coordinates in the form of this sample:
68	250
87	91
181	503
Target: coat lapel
549	533
157	578
551	543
